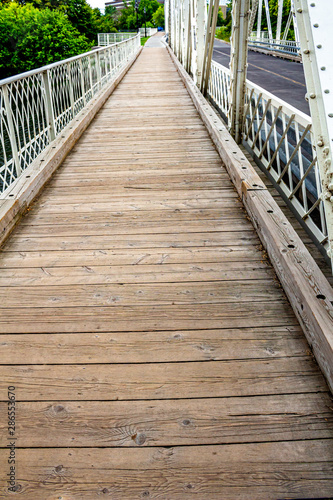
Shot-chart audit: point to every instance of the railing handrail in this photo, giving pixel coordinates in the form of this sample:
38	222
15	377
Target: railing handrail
47	67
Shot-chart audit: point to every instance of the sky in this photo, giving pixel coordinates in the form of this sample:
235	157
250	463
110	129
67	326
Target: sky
97	3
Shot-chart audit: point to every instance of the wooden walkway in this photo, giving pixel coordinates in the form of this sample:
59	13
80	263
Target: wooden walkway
151	347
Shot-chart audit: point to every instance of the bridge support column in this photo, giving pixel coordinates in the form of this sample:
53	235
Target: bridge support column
238	65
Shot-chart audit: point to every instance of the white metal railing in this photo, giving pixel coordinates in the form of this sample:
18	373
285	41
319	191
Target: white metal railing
281	139
282	46
147	31
105	39
36	106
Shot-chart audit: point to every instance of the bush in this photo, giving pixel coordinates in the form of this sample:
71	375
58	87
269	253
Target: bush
223	33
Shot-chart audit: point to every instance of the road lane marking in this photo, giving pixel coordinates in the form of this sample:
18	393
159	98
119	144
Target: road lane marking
267	70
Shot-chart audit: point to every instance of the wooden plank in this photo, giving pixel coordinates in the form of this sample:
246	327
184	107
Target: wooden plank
177	216
140	227
243	471
137	318
162	380
26	244
142	294
168	273
130	256
171	422
117	206
159	346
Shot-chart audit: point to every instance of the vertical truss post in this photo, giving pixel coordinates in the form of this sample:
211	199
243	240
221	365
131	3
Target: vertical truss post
198	34
254	8
287	28
209	43
238	65
269	24
187	35
279	20
259	20
293	12
316	39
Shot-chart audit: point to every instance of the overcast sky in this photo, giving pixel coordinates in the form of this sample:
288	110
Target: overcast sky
97	3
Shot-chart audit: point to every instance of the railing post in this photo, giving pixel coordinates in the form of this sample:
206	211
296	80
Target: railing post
82	82
48	105
11	130
98	70
71	93
90	78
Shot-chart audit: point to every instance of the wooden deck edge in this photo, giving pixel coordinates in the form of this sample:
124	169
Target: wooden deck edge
33	179
307	289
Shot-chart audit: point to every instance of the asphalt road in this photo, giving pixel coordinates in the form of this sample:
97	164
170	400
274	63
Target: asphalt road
281	77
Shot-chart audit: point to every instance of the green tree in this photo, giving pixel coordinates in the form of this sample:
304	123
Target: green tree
158	16
220	18
82	16
128	16
30	38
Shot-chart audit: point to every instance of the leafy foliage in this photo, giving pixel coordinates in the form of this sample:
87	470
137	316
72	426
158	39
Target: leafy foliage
38	32
30	38
224	34
158	16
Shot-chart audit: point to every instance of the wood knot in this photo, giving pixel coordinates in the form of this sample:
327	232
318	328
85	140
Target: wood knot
186	422
140	439
105	491
59	468
59	408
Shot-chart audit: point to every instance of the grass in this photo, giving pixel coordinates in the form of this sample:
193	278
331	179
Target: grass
144	39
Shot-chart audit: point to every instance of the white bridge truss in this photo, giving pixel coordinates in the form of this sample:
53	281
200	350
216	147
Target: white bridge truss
294	149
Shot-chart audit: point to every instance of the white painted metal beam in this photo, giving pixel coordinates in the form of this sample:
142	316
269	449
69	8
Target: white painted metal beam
238	66
316	39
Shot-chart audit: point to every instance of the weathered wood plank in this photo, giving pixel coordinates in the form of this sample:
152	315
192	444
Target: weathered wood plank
162	380
169	273
158	346
124	294
245	471
107	242
171	422
130	256
118	227
138	318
